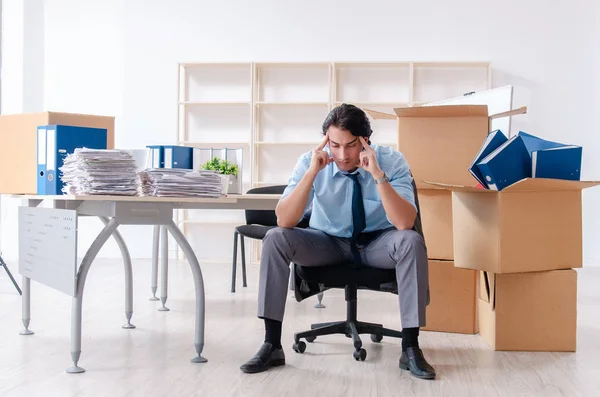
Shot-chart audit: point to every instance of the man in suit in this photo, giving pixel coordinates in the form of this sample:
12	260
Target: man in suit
362	211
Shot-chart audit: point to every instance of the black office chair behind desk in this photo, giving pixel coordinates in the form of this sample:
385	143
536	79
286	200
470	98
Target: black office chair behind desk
258	223
313	280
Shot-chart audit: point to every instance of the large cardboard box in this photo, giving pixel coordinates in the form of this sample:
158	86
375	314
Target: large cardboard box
436	218
529	311
18	140
532	225
452	307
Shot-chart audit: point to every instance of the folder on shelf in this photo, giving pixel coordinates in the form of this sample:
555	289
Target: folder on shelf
62	140
178	157
506	165
557	163
493	141
155	156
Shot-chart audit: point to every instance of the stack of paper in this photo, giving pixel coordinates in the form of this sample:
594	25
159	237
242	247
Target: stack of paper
100	172
174	182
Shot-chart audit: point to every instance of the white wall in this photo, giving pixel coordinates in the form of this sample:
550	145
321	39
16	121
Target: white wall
119	57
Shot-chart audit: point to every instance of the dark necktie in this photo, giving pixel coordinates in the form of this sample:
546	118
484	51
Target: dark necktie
358	217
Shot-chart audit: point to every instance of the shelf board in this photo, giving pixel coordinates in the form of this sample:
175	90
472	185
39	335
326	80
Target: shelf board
372	64
232	145
190	103
262	103
286	143
291	64
451	64
374	104
214	64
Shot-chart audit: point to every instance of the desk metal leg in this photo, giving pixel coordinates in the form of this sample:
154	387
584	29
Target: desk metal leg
199	288
164	267
128	274
26	306
76	308
155	243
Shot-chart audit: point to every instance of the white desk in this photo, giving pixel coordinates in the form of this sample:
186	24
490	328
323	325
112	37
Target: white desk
115	211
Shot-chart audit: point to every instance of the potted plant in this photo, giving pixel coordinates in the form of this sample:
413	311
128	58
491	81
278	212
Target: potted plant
226	168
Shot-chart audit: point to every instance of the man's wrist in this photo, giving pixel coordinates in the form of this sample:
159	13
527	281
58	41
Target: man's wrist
378	174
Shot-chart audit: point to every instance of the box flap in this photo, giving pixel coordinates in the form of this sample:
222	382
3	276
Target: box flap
524	185
545	184
380	115
514	112
458	188
443	111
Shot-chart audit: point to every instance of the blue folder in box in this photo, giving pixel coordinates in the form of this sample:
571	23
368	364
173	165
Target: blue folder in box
62	140
557	163
506	165
494	140
179	157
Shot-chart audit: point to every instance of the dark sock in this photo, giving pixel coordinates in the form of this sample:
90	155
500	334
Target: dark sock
273	332
410	338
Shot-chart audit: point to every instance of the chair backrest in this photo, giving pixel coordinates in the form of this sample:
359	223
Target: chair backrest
418	226
263	217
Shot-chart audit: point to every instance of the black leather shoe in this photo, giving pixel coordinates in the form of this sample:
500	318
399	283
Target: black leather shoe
266	358
412	360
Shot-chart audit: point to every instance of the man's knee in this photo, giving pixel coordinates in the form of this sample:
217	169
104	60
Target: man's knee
408	242
277	236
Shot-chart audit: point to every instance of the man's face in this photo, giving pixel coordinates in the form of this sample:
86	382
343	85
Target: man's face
345	148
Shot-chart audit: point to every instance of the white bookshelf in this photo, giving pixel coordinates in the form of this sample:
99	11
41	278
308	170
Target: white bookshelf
274	111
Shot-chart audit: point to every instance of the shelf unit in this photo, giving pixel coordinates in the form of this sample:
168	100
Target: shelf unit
274	110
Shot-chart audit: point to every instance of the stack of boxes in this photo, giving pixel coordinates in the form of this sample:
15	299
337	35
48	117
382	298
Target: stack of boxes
500	263
438	143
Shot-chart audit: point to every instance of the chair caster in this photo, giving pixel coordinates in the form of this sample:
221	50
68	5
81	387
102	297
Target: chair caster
376	338
299	347
360	355
311	339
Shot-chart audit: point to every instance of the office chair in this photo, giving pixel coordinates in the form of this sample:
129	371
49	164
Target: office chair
313	280
258	223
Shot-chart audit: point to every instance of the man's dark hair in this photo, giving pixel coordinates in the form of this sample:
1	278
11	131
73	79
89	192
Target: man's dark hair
351	118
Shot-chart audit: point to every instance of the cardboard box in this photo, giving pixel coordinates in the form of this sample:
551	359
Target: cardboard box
436	217
532	225
18	139
439	142
529	311
453	294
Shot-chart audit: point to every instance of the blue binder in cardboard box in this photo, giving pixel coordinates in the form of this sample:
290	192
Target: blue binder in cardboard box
54	143
502	162
520	223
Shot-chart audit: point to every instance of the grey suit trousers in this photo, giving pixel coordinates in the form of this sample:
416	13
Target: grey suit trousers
403	250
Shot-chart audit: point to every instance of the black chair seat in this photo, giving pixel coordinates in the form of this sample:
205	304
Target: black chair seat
254	231
339	276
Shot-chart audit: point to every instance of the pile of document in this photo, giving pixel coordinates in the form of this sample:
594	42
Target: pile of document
177	182
99	172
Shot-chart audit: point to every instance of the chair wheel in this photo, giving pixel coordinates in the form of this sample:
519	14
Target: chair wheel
299	347
311	339
360	355
376	338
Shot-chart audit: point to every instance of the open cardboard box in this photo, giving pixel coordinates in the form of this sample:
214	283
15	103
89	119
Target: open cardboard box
529	311
440	142
532	225
18	139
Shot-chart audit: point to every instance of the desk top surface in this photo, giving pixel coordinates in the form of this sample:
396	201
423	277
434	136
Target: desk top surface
232	198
